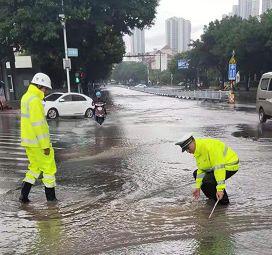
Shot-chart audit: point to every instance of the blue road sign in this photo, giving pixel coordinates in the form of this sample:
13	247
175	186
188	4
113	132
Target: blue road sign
232	72
183	64
72	52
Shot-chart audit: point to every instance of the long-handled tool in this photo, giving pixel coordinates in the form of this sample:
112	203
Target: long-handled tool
213	208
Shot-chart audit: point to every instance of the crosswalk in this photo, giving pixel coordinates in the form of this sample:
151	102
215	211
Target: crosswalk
13	159
12	155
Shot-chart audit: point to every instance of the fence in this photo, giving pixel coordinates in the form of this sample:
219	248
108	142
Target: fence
221	96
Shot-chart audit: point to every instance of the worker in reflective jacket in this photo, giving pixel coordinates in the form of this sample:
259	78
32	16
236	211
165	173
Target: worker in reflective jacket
216	163
35	139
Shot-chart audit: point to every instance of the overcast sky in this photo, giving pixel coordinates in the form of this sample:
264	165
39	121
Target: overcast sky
199	12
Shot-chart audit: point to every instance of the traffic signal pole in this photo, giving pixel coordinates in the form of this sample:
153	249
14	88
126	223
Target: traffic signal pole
66	57
62	17
66	60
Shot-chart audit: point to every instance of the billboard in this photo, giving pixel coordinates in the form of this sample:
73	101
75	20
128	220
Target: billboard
183	64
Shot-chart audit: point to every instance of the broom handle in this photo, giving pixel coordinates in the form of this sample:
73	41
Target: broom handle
213	208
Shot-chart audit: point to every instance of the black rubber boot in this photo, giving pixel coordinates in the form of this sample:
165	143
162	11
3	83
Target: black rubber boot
50	194
26	187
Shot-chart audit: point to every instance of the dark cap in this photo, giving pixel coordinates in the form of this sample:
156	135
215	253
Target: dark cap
185	141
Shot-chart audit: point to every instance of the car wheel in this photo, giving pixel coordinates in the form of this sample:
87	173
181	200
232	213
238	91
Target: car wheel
262	116
89	113
52	113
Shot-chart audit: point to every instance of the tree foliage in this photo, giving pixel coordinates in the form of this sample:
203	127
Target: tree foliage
209	56
95	27
130	72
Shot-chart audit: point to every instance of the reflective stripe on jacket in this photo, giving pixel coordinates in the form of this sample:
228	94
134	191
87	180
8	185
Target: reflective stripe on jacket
214	155
34	127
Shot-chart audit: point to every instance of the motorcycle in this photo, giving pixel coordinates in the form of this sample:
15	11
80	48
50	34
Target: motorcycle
99	112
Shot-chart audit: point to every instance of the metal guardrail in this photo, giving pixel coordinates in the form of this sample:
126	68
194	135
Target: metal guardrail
195	94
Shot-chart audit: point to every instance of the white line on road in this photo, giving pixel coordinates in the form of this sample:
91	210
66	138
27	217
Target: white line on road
14	159
11	148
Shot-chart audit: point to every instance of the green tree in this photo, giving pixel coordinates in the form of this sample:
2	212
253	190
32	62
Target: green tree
95	27
130	72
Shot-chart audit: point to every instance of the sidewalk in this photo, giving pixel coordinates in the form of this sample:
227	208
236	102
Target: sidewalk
11	111
15	108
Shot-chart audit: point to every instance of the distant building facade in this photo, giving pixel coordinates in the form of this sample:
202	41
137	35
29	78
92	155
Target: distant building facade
266	5
235	10
137	40
159	59
178	34
249	8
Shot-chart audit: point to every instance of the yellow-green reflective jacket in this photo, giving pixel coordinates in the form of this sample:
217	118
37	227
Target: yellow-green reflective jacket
34	127
214	155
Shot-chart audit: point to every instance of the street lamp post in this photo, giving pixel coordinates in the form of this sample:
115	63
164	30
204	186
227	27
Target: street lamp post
66	61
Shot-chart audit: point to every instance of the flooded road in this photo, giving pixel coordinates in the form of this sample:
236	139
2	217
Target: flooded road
125	188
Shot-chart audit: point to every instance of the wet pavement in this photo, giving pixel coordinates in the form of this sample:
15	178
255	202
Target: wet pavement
125	188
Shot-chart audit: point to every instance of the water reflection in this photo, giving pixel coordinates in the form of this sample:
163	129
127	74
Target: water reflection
49	233
257	132
214	235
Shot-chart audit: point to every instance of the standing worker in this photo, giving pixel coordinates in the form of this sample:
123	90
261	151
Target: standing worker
35	138
216	163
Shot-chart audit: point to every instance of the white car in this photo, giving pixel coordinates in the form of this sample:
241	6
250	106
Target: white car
68	104
140	86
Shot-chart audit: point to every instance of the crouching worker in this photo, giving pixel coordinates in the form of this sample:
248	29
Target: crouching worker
216	163
35	139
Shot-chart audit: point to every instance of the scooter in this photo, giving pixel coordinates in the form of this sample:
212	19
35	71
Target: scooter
99	112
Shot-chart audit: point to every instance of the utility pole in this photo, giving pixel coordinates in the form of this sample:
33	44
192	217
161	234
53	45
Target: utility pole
160	60
66	60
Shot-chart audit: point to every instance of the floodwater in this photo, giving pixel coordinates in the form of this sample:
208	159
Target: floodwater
125	188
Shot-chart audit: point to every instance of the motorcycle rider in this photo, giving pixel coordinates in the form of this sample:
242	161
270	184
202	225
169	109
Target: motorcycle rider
97	98
98	101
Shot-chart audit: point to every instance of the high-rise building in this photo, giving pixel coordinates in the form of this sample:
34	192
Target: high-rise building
178	34
255	8
266	5
249	8
137	40
235	10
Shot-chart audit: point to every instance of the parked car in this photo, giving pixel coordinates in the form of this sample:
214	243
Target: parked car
68	104
140	86
264	97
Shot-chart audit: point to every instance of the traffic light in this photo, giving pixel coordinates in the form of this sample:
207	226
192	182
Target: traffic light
77	78
80	76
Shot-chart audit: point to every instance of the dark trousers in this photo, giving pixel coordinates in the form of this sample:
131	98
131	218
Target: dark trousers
209	184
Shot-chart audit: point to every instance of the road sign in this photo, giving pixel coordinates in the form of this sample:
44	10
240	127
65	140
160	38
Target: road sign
183	64
72	52
67	63
232	72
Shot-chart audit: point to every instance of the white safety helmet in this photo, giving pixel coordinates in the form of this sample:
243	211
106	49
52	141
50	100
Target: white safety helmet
42	80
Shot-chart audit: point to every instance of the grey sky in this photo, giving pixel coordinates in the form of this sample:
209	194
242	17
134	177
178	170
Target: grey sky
199	12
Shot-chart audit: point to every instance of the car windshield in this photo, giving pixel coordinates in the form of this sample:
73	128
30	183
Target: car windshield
53	97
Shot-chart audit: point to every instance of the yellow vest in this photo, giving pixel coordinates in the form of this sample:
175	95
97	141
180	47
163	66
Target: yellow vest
212	155
34	127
